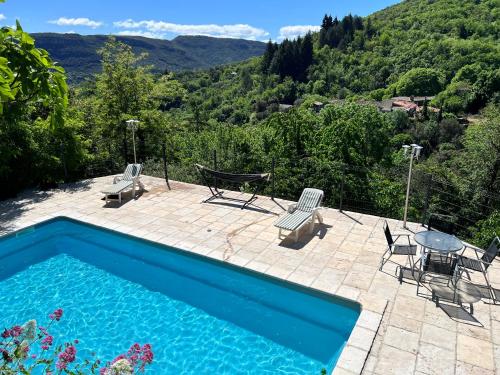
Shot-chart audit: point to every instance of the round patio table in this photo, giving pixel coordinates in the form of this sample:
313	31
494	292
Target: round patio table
437	241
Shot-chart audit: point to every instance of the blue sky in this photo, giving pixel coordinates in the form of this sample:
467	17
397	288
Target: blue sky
255	19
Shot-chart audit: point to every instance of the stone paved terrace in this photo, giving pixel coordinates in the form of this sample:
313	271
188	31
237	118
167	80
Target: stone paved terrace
342	257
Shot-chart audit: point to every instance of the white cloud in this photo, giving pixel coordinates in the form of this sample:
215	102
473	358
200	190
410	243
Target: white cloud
242	31
2	17
292	32
63	21
146	34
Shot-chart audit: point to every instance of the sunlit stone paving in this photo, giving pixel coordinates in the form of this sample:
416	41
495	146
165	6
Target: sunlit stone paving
397	332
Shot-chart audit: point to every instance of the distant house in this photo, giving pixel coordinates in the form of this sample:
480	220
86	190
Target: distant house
318	106
419	100
409	104
284	107
384	105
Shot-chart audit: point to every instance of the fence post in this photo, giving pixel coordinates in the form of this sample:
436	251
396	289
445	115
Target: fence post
342	171
63	159
165	168
427	202
215	167
273	165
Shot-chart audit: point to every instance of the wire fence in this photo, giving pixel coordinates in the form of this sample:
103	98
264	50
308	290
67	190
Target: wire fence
375	190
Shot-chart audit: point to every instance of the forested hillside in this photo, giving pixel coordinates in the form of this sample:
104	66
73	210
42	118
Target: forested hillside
78	53
311	105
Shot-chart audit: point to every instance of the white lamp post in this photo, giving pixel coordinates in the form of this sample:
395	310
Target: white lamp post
132	124
414	154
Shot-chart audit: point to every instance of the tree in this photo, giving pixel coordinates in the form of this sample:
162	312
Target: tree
33	100
306	56
420	81
267	58
28	76
123	89
481	160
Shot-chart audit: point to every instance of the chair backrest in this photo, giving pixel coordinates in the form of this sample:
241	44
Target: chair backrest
442	223
388	234
132	171
310	199
491	252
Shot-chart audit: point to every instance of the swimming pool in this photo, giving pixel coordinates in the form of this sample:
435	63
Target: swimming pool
201	316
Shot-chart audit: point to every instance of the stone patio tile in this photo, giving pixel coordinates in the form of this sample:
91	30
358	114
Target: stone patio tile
401	339
362	338
340	371
405	323
434	360
358	279
369	319
475	352
411	307
348	292
352	359
393	361
372	302
438	336
463	368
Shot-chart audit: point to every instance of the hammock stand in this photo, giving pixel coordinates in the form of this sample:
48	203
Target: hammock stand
258	178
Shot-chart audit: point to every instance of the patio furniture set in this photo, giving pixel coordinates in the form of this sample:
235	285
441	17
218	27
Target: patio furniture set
305	211
443	262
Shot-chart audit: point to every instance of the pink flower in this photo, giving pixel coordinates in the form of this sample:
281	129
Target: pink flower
48	340
43	330
121	356
66	357
16	331
33	356
45	347
61	365
76	341
5	333
56	315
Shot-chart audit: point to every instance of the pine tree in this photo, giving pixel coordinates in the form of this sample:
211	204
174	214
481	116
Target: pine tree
425	110
306	54
369	29
327	22
325	26
268	56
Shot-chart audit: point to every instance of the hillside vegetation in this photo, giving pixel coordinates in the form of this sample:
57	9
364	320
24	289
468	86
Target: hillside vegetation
78	53
307	105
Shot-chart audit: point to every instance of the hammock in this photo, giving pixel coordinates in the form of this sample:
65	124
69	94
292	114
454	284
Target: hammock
237	178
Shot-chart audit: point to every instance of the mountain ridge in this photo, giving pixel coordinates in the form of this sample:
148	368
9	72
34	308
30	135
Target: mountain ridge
78	53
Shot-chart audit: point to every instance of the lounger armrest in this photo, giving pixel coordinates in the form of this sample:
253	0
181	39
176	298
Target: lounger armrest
291	208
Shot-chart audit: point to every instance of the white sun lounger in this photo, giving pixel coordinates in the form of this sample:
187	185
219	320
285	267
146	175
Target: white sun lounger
306	210
129	179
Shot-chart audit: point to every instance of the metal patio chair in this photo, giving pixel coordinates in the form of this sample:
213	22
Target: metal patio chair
397	249
484	259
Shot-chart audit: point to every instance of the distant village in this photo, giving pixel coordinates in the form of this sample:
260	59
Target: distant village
412	105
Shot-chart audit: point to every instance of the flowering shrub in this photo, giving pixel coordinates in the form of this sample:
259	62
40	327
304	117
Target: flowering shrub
19	343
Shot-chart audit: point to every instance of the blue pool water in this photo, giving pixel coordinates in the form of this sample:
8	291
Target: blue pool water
201	316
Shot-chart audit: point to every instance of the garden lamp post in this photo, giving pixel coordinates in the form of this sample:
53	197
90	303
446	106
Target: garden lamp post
414	153
132	124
